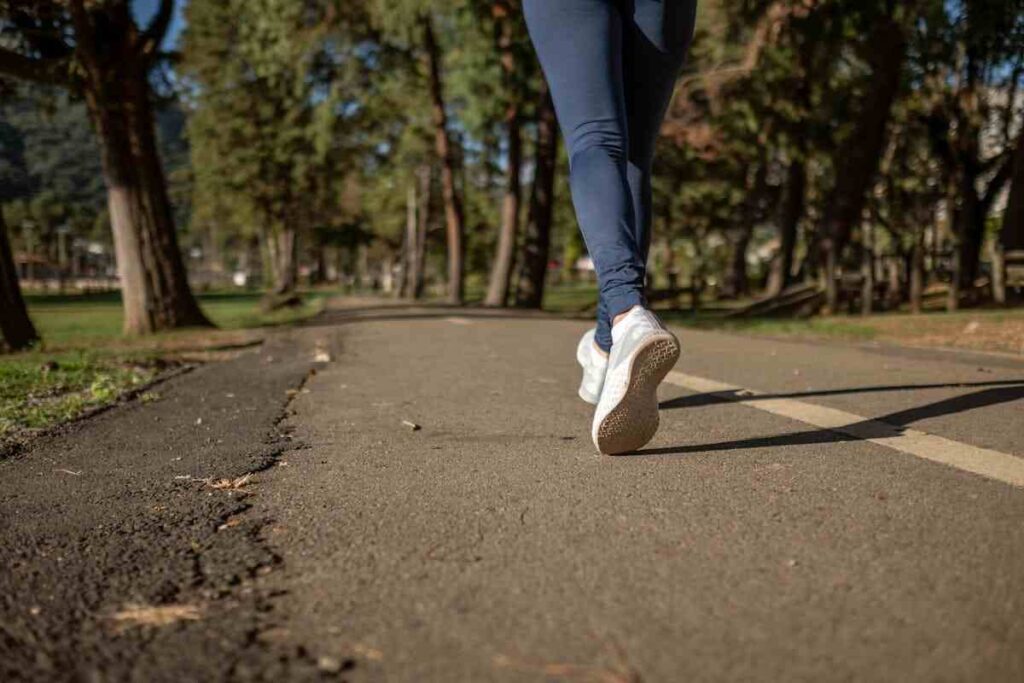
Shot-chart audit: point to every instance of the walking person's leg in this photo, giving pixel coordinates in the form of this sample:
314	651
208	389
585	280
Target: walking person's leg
579	43
656	36
581	46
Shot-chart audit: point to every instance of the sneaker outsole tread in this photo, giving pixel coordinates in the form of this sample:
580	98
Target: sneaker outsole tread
632	423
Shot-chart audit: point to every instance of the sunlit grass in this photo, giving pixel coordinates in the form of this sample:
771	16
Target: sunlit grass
85	361
35	393
66	322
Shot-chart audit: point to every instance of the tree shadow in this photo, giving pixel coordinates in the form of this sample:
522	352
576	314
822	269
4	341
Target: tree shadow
885	426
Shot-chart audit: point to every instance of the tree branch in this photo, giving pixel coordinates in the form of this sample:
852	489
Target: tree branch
765	31
151	39
50	71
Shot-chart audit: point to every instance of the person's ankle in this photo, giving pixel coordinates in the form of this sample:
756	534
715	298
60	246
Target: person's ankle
621	316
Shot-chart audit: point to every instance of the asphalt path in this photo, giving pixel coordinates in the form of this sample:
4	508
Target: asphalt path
425	504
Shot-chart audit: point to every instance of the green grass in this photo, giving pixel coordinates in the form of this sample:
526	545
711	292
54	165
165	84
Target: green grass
84	360
70	322
937	328
35	394
571	297
836	328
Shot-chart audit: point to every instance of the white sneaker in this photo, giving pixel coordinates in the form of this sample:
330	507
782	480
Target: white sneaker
594	366
642	354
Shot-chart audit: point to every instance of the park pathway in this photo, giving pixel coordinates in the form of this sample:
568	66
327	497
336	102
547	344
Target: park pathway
428	506
493	543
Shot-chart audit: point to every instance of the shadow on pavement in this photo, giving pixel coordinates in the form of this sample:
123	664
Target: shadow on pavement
697	400
884	426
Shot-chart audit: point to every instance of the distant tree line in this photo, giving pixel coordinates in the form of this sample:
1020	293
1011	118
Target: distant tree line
865	151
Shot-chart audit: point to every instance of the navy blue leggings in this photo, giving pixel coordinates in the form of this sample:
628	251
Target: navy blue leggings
611	66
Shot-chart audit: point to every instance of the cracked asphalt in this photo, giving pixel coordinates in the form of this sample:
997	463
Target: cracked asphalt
490	542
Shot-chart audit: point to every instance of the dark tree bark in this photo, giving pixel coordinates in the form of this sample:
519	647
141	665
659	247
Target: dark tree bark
735	282
792	211
1012	234
970	217
454	219
917	271
504	257
858	157
319	274
537	240
17	329
867	271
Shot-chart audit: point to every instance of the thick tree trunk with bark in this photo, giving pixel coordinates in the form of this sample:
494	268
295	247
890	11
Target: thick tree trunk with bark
282	247
537	240
504	256
858	157
114	81
16	327
454	220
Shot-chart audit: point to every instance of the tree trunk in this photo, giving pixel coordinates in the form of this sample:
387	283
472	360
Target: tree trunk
537	240
970	231
894	282
917	272
998	274
362	267
867	288
16	327
422	221
281	245
154	285
697	266
953	296
789	223
501	269
1012	234
454	220
735	282
320	259
404	285
387	275
858	156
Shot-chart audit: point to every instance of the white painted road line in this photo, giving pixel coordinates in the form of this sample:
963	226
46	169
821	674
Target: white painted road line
986	462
